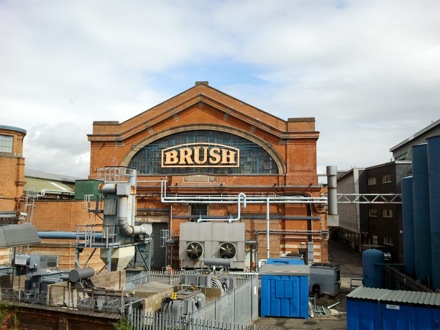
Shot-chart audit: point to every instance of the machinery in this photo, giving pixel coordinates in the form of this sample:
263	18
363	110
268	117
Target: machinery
184	302
38	277
205	240
119	237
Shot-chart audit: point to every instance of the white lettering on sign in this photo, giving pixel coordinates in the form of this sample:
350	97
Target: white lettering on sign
395	307
201	155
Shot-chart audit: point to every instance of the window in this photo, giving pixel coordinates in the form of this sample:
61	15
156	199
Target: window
372	212
402	156
387	213
374	239
372	181
254	160
199	211
6	143
386	178
388	241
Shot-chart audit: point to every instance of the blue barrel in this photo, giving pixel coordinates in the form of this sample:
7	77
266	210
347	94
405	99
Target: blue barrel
434	202
422	226
373	268
408	225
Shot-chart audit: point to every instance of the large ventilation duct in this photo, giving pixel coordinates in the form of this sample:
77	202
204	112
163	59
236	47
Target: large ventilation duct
434	202
422	231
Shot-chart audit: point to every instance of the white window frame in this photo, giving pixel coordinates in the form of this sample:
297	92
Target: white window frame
372	181
387	213
386	178
372	213
6	143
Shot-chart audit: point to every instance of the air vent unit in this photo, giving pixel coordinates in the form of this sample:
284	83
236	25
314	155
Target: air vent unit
227	250
194	250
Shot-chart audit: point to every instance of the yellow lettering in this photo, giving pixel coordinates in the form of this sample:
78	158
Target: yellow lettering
185	156
197	159
214	154
228	156
171	157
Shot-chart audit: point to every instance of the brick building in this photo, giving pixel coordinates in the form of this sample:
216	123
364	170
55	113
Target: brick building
216	148
12	179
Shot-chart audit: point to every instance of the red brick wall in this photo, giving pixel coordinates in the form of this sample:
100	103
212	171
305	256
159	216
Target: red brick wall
12	179
64	216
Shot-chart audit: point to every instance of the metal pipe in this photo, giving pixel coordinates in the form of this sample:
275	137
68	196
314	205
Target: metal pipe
267	229
65	235
332	190
227	199
239	198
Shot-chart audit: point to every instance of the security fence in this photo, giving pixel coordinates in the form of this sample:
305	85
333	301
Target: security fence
235	310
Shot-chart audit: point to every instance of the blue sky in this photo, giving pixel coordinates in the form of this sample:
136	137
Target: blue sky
368	71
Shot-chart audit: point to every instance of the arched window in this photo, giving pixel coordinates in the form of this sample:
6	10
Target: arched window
253	158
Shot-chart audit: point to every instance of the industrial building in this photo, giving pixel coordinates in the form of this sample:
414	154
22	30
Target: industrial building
200	181
206	157
201	156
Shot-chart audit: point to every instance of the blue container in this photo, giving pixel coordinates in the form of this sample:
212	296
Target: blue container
373	269
285	261
284	290
422	227
408	225
434	202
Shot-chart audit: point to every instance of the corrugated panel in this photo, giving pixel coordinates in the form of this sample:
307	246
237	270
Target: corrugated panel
18	235
396	296
39	185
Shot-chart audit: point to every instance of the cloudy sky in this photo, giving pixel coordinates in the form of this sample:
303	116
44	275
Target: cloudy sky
367	70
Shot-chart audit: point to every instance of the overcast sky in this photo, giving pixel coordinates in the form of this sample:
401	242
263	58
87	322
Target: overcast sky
368	71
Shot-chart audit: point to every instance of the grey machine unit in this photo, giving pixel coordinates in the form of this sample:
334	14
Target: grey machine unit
200	240
183	302
325	278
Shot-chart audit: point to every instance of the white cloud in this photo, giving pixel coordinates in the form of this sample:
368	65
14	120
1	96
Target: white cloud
367	70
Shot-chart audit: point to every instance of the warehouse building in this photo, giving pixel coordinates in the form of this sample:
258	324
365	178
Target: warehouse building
204	157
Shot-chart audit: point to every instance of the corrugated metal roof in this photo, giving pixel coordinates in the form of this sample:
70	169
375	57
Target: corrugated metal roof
396	296
48	186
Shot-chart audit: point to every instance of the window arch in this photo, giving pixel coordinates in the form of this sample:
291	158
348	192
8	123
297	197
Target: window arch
253	158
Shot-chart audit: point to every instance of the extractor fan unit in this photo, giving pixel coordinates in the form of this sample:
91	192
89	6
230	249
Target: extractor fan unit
194	250
227	250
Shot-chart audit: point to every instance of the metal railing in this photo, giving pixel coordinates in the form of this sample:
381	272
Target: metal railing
158	321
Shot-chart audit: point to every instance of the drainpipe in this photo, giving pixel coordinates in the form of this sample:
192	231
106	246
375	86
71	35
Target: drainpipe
267	229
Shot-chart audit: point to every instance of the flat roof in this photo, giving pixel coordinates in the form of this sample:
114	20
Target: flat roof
13	128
